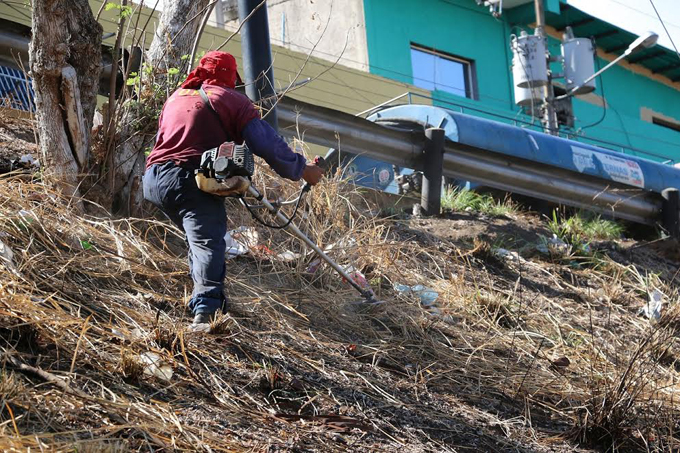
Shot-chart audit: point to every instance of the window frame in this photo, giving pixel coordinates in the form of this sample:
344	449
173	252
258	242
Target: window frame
469	74
663	122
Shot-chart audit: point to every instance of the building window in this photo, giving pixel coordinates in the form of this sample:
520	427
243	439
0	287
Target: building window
433	70
665	123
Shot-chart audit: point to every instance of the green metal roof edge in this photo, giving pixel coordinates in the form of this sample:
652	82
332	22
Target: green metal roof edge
650	59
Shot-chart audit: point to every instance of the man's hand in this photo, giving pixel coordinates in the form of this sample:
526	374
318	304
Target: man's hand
312	174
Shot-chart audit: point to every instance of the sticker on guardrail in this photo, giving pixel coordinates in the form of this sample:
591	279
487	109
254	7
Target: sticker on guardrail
621	170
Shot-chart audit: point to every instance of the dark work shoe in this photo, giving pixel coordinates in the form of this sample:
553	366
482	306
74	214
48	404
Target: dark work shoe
202	322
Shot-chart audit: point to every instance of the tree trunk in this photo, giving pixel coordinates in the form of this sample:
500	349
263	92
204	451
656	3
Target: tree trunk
65	62
173	39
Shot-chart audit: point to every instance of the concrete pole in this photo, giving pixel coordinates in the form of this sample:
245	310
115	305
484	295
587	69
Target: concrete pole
670	211
433	161
257	56
550	123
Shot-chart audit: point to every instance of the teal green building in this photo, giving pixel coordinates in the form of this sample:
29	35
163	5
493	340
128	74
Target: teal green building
451	53
460	53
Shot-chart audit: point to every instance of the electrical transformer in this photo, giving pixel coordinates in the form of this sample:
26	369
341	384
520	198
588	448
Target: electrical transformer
579	64
529	61
529	97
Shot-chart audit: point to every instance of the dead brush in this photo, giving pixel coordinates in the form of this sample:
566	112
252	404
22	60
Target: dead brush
482	249
166	336
224	324
620	403
130	366
19	335
632	407
418	382
10	386
496	309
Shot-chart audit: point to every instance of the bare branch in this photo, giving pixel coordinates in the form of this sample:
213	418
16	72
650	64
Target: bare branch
208	11
238	30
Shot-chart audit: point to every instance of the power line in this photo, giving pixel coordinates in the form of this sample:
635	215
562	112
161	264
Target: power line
664	27
640	11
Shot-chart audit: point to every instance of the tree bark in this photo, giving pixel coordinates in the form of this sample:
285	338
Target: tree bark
173	38
65	62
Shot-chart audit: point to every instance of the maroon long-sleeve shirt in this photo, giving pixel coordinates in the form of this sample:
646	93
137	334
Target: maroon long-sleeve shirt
187	128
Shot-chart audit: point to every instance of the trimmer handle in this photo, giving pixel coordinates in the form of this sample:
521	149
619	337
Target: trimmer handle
321	163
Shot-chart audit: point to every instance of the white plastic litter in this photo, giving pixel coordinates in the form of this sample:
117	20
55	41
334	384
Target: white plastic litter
288	256
652	309
341	246
427	296
134	334
314	266
6	255
240	240
28	159
555	247
154	365
507	255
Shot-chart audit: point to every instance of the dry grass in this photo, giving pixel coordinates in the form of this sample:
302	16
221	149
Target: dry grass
529	356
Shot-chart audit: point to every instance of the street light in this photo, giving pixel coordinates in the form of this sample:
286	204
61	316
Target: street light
643	42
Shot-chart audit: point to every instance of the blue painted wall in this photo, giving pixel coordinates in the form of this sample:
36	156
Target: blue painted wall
461	28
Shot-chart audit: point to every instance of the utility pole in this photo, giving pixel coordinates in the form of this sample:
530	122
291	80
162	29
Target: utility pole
257	56
550	124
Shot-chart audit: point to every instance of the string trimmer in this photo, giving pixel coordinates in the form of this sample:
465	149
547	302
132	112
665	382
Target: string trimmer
227	171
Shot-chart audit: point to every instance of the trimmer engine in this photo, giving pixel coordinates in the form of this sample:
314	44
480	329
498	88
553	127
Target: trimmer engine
227	160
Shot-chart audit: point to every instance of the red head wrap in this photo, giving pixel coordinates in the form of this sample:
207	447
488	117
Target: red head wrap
215	68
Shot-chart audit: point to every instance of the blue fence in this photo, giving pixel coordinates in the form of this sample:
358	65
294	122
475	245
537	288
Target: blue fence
16	90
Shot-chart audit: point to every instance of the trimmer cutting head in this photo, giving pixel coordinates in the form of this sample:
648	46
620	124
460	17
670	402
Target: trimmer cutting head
370	299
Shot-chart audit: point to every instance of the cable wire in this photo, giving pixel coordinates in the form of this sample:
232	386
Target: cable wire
604	100
272	226
639	11
664	27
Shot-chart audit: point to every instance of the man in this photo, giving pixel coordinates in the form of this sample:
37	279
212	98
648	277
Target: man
186	128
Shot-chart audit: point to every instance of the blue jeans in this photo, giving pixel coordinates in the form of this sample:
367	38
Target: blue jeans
203	219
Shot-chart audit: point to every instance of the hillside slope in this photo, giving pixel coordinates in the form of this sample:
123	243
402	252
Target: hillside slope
523	352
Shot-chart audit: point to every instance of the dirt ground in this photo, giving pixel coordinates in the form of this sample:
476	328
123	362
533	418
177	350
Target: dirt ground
16	140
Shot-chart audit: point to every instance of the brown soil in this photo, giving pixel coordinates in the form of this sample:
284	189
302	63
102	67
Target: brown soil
16	139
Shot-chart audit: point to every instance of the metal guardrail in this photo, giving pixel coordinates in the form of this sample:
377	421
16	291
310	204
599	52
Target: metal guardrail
357	135
349	133
334	129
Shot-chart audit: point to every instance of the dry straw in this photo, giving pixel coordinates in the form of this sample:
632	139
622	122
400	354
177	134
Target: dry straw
530	355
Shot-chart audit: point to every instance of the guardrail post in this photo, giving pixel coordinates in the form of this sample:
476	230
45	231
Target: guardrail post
670	211
433	161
